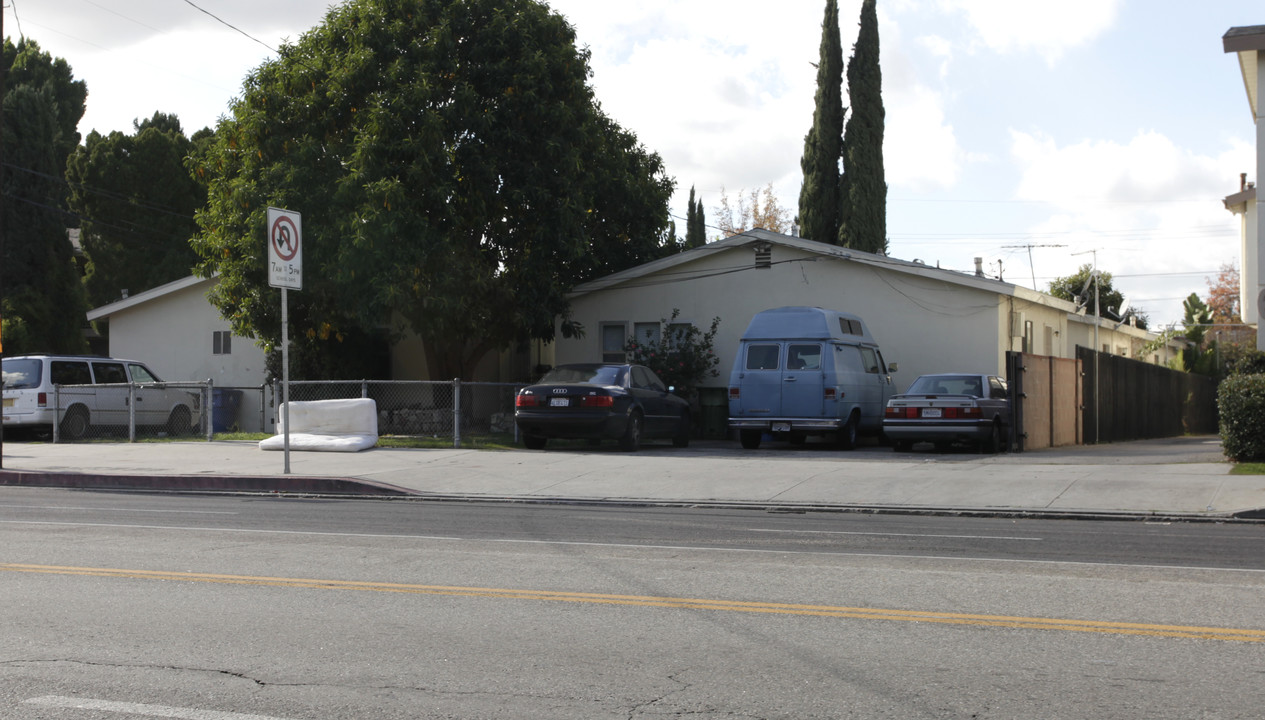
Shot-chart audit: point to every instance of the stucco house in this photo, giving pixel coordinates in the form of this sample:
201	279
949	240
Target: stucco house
925	318
1248	43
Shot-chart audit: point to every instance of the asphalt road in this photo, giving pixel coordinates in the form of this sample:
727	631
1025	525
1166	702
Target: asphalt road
226	608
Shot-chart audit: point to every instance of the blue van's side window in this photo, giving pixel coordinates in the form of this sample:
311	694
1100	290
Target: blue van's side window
870	360
762	357
803	357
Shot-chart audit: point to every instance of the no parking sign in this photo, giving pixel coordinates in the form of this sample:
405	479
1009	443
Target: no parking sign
285	252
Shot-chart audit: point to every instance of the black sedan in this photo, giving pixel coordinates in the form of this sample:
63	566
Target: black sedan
597	401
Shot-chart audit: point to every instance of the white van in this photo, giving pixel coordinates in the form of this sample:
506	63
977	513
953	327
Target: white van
94	392
804	371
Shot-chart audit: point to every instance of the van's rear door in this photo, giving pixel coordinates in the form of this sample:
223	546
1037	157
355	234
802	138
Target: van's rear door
803	381
760	392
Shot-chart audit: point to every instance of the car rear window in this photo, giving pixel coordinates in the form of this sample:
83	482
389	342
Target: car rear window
22	373
803	357
947	385
69	372
763	357
597	375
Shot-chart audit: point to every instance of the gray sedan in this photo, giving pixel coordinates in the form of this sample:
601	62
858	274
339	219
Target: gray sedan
950	407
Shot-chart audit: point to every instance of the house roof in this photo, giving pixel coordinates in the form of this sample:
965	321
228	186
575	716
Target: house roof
1248	42
105	311
760	237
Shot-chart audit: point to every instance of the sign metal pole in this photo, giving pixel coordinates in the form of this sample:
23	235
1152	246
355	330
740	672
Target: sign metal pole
285	271
285	374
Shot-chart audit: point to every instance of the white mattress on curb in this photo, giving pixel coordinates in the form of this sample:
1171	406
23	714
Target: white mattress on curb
327	425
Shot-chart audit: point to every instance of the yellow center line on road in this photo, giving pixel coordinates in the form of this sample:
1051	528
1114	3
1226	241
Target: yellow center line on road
950	618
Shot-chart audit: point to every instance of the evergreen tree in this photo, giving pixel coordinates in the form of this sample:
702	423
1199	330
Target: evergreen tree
44	303
865	188
695	229
819	195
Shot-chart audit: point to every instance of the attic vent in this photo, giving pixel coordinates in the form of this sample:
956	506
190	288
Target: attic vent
763	255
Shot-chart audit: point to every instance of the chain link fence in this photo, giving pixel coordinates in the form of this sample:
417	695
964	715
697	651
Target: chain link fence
131	411
469	413
463	413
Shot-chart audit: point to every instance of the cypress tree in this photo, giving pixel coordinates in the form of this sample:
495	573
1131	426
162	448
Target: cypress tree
819	195
865	188
695	226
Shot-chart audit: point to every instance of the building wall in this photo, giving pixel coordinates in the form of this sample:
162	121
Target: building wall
923	324
174	337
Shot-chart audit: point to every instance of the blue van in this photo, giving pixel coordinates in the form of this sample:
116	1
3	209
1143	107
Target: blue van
804	371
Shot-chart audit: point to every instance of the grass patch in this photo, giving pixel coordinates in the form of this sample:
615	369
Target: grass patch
491	441
1248	468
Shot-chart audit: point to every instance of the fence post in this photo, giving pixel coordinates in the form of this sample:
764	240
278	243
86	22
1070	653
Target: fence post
56	414
364	389
208	412
131	412
456	412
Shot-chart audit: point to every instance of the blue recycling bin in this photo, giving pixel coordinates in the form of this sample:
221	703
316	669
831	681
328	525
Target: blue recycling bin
224	406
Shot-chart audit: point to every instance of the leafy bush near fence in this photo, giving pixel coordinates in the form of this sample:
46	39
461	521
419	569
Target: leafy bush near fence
1241	402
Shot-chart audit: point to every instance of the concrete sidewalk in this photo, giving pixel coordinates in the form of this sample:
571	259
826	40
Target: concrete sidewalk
1185	478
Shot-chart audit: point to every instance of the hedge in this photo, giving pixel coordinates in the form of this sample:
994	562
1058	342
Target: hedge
1241	403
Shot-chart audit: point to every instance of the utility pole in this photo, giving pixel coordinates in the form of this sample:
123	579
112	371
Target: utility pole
1093	276
1030	265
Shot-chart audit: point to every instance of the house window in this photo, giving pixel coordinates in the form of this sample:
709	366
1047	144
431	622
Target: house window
613	342
221	342
646	333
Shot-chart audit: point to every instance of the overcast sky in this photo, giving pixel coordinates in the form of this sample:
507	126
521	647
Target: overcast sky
1014	129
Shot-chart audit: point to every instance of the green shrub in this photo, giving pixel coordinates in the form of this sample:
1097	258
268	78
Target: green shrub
1252	361
1241	402
682	356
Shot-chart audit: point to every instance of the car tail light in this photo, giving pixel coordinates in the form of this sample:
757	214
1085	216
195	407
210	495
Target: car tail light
42	399
734	393
829	393
901	412
527	400
599	401
965	413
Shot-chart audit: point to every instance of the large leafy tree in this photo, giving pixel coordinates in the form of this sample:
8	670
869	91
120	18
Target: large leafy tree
1070	288
453	170
820	196
44	302
135	202
864	223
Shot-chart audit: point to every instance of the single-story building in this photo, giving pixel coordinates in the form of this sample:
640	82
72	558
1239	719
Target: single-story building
926	319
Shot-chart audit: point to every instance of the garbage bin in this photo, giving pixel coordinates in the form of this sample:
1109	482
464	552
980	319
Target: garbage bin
714	407
224	406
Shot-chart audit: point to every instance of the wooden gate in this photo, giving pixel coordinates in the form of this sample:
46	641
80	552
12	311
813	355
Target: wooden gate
1046	397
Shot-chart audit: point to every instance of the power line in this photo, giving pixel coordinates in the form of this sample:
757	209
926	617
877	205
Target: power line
225	24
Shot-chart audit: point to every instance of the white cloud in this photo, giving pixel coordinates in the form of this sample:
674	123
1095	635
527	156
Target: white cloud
1046	28
1149	208
920	149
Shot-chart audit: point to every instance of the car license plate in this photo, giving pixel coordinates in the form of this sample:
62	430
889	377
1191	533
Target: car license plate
781	427
931	412
559	402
